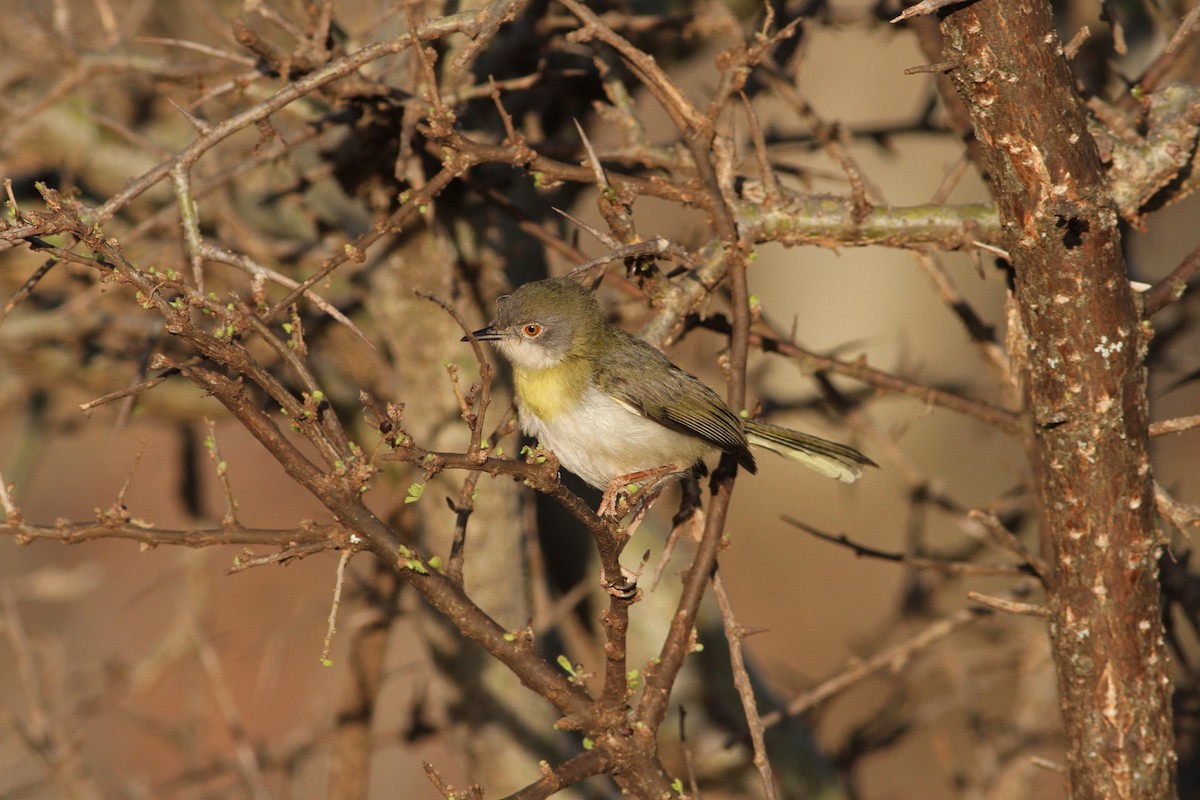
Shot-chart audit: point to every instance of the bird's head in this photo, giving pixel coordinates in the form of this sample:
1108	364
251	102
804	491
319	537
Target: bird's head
543	323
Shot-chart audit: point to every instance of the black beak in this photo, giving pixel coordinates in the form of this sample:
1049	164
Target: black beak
485	334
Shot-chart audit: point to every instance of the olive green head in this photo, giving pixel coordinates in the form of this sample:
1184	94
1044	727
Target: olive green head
542	323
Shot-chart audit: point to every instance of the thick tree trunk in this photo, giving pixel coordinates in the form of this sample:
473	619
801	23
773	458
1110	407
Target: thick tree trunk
1086	396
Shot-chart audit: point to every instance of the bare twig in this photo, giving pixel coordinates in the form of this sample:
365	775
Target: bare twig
1172	288
1005	538
208	50
474	419
858	369
774	195
42	731
1071	49
26	288
1177	425
247	759
1184	516
922	8
1183	37
1009	606
336	70
916	562
332	537
130	391
591	230
894	658
734	633
189	217
331	624
650	247
214	453
211	252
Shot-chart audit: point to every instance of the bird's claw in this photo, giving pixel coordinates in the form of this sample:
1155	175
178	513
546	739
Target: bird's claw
646	485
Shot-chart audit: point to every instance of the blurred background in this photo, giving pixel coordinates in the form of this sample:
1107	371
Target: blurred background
158	670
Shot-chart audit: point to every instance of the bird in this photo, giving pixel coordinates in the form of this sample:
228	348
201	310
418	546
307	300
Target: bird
616	411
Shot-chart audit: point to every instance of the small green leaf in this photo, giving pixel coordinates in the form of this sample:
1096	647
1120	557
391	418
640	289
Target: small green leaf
566	665
588	744
414	492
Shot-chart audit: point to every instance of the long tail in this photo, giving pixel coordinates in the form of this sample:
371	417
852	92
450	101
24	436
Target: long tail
831	459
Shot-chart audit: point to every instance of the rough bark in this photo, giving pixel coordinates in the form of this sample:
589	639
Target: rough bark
1086	396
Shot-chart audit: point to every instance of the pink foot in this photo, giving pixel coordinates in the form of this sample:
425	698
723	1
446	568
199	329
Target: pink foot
622	488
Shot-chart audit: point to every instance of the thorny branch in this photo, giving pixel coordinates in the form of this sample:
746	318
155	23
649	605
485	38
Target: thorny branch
237	349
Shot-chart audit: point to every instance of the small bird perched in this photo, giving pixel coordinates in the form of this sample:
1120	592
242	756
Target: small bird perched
616	411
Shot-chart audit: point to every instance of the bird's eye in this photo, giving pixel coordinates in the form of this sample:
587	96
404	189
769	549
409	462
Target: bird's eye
532	330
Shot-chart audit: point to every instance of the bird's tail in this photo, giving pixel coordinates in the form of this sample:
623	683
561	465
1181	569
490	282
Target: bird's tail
831	459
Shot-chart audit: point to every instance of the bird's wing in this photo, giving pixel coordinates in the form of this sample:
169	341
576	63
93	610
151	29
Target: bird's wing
677	400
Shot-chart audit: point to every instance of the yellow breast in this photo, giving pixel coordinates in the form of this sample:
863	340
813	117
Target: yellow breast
546	393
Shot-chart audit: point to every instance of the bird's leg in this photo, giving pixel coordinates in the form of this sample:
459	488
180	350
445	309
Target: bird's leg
640	508
647	485
615	502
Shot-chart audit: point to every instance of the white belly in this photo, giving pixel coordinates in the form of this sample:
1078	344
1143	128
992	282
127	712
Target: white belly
602	439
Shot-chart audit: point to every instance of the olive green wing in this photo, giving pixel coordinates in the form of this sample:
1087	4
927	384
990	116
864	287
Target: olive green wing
645	381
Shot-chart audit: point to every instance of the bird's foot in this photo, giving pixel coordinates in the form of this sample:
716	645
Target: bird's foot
633	492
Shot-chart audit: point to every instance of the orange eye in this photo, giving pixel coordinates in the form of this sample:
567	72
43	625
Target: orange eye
532	330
